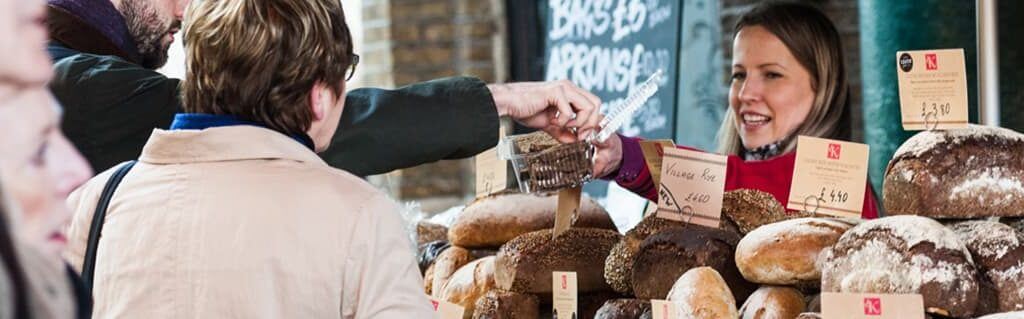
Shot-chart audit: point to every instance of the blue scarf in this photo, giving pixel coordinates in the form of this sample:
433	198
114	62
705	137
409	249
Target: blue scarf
199	121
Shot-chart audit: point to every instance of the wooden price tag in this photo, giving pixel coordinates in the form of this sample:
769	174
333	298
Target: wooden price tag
653	154
568	208
564	296
933	89
664	309
874	306
829	177
491	173
447	310
692	187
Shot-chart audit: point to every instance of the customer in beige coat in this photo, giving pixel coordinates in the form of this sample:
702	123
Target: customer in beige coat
231	214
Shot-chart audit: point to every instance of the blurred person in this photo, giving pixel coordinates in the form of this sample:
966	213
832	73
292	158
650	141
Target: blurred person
38	170
788	79
230	213
13	284
107	51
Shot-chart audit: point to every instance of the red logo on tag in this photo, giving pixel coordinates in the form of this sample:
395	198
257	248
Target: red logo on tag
931	62
872	306
564	282
436	304
834	150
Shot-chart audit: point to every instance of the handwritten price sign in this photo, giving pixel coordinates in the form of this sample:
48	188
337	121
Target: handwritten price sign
692	187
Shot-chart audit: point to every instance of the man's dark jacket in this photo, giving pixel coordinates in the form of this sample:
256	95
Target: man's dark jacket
112	104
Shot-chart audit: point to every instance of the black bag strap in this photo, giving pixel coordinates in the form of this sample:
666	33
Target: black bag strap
89	265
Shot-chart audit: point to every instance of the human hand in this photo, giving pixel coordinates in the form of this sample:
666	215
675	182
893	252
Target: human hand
608	157
556	107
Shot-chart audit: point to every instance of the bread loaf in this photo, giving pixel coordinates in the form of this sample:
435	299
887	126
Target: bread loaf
1005	315
809	315
998	252
773	302
449	261
749	209
701	293
1016	223
497	304
525	263
491	221
427	232
973	172
623	309
901	255
786	253
428	280
814	303
470	283
619	267
591	303
428	253
672	252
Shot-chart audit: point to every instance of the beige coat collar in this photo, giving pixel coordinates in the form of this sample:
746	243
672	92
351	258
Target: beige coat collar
218	144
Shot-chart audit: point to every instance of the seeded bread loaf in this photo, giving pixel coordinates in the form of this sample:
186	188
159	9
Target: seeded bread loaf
672	252
786	253
619	266
491	221
525	263
998	252
904	255
749	209
973	172
773	302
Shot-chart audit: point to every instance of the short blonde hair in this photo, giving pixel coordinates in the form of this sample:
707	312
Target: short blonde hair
259	59
812	38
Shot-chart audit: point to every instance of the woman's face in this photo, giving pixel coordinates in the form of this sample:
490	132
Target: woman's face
38	167
771	92
23	42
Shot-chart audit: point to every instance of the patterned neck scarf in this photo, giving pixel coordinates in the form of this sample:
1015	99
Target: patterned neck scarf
762	152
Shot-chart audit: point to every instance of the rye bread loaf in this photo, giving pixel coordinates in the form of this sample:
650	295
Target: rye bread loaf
619	266
973	172
998	253
491	221
525	263
427	232
498	304
470	283
773	302
623	309
701	293
672	252
749	209
904	255
786	253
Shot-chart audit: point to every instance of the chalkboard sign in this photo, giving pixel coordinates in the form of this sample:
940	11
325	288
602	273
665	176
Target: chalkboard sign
609	47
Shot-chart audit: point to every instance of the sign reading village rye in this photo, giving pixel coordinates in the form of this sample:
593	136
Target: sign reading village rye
692	187
933	89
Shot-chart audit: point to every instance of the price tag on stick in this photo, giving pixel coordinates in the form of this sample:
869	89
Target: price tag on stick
565	300
653	154
491	173
829	177
933	89
692	187
874	306
568	208
664	309
447	310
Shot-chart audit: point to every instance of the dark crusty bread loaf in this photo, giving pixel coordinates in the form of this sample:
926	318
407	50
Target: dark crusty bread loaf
619	267
786	253
672	252
773	302
498	304
973	172
623	309
491	221
525	263
904	255
469	283
427	232
749	209
591	303
701	293
998	252
1016	223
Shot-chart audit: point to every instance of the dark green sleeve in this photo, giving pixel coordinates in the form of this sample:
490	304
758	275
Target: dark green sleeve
384	130
111	106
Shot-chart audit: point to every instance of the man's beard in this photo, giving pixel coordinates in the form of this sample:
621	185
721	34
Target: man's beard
148	30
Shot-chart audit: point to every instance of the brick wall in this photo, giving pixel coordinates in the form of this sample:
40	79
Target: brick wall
843	14
408	41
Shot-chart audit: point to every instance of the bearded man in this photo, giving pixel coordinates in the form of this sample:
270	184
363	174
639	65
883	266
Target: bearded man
106	53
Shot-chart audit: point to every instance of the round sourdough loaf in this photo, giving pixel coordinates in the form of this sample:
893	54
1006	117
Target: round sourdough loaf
773	302
701	293
904	254
786	253
619	266
998	252
973	172
491	221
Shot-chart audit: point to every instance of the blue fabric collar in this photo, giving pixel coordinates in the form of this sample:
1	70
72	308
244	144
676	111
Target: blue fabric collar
199	121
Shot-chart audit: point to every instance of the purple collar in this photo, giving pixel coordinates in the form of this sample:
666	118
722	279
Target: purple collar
102	16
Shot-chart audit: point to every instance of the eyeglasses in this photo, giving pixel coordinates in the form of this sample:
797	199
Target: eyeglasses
352	67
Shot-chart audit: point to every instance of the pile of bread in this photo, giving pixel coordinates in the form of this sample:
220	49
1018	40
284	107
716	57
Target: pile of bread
953	236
